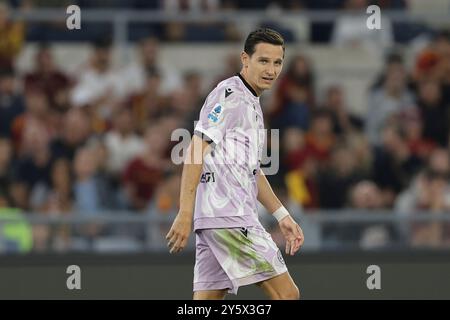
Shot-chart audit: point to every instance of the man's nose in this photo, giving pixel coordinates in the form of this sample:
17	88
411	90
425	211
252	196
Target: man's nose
270	70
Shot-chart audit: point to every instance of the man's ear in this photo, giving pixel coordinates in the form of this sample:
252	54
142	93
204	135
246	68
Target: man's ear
244	59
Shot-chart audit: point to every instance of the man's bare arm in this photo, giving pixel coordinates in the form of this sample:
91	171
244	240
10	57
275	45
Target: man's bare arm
193	165
290	229
266	195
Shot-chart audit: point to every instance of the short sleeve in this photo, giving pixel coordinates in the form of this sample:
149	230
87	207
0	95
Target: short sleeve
219	114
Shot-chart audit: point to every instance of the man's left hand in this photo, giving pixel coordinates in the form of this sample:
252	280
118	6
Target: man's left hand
292	233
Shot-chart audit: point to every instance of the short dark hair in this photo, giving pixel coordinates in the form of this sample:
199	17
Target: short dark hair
263	35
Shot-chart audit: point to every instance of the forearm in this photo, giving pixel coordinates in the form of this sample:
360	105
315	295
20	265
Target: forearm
266	195
192	169
189	182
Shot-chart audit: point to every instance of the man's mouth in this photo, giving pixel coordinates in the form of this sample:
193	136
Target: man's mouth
268	78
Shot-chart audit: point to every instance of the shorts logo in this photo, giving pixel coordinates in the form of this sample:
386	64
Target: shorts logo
244	231
214	115
280	257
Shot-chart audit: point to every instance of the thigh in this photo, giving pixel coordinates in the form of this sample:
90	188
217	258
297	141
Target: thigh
210	294
280	287
209	275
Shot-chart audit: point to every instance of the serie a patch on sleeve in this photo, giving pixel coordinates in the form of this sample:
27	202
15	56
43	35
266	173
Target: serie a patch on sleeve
215	113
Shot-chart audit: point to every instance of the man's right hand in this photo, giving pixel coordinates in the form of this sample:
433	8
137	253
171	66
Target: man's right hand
178	235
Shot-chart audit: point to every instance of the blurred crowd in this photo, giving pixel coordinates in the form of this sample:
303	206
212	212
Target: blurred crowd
98	140
340	31
394	157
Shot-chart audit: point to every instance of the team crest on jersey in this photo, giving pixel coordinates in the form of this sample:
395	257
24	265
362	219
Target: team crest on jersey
215	114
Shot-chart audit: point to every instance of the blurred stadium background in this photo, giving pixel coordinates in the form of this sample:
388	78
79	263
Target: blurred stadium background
86	117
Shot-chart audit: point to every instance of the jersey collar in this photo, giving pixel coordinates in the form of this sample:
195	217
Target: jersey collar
249	87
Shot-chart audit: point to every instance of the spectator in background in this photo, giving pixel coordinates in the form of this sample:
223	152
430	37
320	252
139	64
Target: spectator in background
394	165
87	189
305	155
19	195
165	202
361	150
366	195
193	83
60	196
33	168
294	148
121	143
168	125
272	20
363	197
145	172
430	190
167	195
148	104
343	121
432	63
6	157
99	87
320	137
135	76
411	122
11	37
350	30
37	119
316	143
335	179
443	65
434	112
436	199
56	200
185	103
393	62
15	232
386	102
197	31
87	198
232	66
75	132
294	96
291	157
51	192
11	101
47	78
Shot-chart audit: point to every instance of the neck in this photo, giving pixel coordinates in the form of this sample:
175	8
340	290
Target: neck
257	92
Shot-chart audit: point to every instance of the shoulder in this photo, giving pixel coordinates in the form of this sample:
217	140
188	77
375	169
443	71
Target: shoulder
228	89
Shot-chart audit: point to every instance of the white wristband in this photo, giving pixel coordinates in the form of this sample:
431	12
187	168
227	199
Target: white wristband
280	213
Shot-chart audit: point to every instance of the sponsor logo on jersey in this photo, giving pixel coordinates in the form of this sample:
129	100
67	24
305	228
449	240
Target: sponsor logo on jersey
207	177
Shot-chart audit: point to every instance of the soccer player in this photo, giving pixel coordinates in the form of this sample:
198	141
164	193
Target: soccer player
222	181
